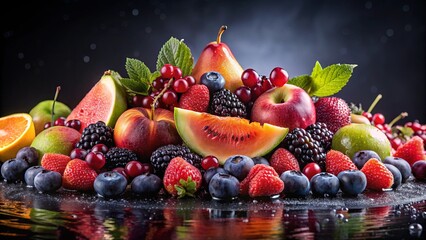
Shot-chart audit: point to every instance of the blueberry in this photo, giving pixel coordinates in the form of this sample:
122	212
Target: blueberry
224	186
30	174
207	176
419	170
28	154
402	165
397	176
13	170
361	157
323	184
296	184
110	184
213	80
48	181
260	160
239	166
352	182
146	185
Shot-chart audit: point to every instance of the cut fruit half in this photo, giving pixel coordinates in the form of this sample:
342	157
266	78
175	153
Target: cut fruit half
223	137
16	131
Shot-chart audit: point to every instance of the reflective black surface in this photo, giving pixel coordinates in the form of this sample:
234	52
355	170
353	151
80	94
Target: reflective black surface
27	214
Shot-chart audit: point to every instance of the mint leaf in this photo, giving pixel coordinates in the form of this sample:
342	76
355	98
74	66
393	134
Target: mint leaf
303	81
140	77
178	54
137	70
154	75
136	87
331	79
316	70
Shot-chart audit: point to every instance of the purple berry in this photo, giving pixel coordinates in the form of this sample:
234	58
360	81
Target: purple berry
146	185
48	181
110	184
352	182
296	184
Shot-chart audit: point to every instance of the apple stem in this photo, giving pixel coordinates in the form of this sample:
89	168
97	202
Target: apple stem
169	83
219	34
374	103
58	88
397	118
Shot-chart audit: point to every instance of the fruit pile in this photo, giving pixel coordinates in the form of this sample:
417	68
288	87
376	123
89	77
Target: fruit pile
212	129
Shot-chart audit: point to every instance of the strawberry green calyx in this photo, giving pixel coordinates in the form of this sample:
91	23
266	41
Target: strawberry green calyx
186	188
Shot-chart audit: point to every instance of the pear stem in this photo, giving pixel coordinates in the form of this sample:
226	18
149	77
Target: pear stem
169	83
219	34
397	118
58	88
374	103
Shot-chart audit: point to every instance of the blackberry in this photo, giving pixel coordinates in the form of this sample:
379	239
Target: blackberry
94	134
225	103
321	133
304	147
119	157
162	156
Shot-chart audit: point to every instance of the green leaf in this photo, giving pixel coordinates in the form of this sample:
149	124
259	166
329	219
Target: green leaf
331	79
186	187
303	81
178	54
133	86
137	70
316	70
154	75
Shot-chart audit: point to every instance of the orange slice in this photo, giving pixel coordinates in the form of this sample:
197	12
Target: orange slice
16	131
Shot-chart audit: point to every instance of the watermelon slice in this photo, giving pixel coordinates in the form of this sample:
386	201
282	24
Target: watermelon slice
106	101
223	137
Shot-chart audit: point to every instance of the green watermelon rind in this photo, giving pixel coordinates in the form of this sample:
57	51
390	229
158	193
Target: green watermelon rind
182	125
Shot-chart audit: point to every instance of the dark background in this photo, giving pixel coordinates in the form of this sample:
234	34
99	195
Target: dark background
71	43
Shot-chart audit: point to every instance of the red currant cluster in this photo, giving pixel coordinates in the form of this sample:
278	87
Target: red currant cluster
62	121
170	90
255	85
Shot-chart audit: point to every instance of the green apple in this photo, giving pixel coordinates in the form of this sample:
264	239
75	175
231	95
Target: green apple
357	137
42	113
56	139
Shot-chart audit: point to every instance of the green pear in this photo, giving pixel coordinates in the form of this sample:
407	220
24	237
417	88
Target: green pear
357	137
42	113
56	139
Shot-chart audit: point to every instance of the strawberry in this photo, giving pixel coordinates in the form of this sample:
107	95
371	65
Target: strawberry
197	98
411	151
334	112
262	180
181	178
335	162
377	174
78	175
282	160
55	162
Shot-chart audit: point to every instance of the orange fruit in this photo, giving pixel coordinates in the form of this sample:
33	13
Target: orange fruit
16	131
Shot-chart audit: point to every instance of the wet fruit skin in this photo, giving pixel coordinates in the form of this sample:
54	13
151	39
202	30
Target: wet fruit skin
419	170
224	186
397	176
361	157
28	154
325	184
296	184
213	80
402	165
30	174
239	166
48	181
110	184
352	182
146	185
13	170
207	176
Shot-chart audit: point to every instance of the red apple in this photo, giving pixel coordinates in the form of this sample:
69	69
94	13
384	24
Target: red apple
142	132
287	106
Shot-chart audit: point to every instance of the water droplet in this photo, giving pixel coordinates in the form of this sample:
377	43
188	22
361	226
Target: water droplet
424	215
74	216
415	230
245	220
345	209
255	201
286	215
340	216
345	220
398	213
240	203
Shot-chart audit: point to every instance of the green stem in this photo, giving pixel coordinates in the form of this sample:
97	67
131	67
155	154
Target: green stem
374	103
58	88
399	117
160	95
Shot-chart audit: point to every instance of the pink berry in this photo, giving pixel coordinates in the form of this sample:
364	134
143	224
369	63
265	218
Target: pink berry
60	121
209	162
378	118
311	169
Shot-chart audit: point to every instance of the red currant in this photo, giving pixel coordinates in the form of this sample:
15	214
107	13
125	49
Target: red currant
378	118
266	84
158	84
100	148
47	125
146	168
395	142
278	77
250	78
96	160
169	97
244	94
311	169
60	121
133	169
167	71
147	101
73	123
78	153
121	171
257	91
368	115
137	100
177	73
180	85
191	80
209	162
